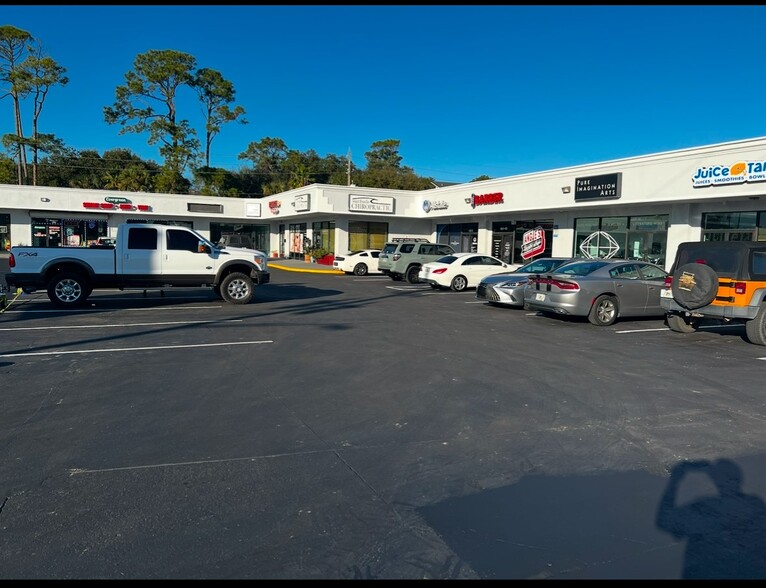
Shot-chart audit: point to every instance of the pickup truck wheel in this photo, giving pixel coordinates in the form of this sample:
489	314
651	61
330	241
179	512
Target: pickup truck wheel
681	324
755	329
694	285
68	289
237	288
412	274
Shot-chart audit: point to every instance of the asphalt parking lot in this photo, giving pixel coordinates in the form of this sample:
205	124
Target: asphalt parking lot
345	427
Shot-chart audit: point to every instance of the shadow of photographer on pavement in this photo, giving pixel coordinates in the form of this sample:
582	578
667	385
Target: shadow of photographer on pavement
725	532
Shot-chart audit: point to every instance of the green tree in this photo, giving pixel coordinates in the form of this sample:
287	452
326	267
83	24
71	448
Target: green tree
128	172
38	74
118	169
216	94
268	157
129	179
170	181
298	168
13	47
7	170
336	169
147	103
384	169
216	181
383	154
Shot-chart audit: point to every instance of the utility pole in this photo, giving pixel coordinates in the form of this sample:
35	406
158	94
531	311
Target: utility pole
348	168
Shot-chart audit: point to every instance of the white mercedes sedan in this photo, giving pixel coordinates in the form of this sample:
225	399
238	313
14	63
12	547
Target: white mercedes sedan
359	263
460	271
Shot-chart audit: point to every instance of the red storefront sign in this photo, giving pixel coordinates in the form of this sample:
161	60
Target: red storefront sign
533	243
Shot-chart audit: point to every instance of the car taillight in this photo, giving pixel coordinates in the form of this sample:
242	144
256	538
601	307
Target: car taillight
740	287
565	285
560	284
11	261
440	270
668	281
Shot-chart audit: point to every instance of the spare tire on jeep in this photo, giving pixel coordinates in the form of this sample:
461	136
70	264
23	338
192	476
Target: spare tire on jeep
694	285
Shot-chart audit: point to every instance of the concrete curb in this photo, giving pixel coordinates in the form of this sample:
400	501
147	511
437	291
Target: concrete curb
306	271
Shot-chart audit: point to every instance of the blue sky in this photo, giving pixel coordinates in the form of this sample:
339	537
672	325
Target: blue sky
467	90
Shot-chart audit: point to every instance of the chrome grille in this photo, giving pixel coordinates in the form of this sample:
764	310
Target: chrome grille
486	292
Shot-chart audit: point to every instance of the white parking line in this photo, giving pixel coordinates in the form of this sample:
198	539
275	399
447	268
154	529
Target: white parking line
117	325
135	348
414	287
643	330
113	309
667	329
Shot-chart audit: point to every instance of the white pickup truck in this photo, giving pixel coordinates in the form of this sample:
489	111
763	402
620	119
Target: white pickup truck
143	256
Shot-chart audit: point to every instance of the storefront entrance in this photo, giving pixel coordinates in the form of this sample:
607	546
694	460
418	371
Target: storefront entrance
298	240
508	237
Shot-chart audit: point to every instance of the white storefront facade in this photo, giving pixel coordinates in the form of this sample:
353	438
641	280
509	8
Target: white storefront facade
638	207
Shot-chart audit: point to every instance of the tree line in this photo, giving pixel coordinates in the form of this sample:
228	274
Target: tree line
147	103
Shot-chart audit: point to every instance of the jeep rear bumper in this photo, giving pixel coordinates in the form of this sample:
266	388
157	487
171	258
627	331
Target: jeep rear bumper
747	313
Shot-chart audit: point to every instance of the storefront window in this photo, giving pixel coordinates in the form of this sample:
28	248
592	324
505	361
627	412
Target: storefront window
762	226
324	235
461	237
647	238
5	232
637	237
733	226
364	235
584	228
259	234
68	232
528	225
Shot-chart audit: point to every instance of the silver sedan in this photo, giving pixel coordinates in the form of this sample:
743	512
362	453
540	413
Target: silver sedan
507	288
601	289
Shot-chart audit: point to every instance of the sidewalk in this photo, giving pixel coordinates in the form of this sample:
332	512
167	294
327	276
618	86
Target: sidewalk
298	265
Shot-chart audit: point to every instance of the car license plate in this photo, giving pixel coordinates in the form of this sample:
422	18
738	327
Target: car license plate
539	296
666	293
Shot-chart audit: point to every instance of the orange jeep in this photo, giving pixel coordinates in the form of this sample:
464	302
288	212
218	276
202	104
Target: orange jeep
721	280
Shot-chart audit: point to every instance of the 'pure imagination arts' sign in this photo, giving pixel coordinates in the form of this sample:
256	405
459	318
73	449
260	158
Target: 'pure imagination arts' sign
606	187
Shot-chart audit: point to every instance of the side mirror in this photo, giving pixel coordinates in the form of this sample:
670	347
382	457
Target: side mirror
203	248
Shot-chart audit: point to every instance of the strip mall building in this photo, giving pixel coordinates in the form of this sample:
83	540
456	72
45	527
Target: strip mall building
639	207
